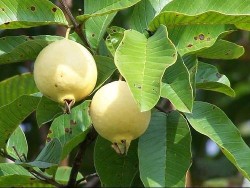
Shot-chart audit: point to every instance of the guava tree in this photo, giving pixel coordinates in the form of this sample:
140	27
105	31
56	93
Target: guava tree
161	55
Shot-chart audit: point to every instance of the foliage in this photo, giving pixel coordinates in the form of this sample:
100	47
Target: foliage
162	50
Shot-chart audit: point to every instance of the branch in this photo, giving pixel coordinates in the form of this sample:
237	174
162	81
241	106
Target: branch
35	173
77	26
91	136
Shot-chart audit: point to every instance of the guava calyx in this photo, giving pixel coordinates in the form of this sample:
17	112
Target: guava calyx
122	147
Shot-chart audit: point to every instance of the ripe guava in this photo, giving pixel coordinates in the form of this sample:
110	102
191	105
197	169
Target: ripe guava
116	116
65	71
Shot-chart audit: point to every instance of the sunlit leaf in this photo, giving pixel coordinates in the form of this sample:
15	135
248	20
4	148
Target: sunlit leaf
142	62
209	78
209	120
25	13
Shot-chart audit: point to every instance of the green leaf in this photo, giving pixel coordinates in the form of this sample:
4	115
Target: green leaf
105	69
47	110
13	114
142	62
17	140
98	8
176	86
144	12
25	13
71	129
63	174
12	175
23	48
164	151
222	49
211	121
209	78
113	169
193	38
16	86
204	12
48	157
191	62
95	28
114	38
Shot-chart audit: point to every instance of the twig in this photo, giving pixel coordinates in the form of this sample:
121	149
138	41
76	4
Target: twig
77	26
91	136
35	173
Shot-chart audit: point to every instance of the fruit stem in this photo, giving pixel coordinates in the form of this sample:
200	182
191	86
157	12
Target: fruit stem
67	33
120	77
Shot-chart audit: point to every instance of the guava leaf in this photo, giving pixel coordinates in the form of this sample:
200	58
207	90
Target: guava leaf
18	140
12	175
47	110
13	114
113	169
23	48
222	49
191	62
142	62
176	86
115	36
98	8
63	174
209	78
105	68
48	157
95	28
189	39
25	13
204	12
211	121
164	151
144	12
71	129
16	86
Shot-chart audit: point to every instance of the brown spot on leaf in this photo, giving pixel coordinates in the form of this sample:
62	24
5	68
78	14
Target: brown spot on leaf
2	9
50	131
33	8
201	36
190	45
93	35
174	54
66	130
54	9
30	37
56	85
208	38
195	38
6	23
72	122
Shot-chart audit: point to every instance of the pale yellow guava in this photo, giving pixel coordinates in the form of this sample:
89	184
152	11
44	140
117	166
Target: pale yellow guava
116	116
65	71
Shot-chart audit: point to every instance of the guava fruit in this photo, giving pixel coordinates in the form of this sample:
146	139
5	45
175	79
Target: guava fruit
65	71
116	116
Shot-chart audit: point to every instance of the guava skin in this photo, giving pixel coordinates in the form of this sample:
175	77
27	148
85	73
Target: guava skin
65	70
116	116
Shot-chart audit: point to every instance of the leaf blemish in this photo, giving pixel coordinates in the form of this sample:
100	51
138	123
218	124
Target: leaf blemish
33	8
2	9
195	38
6	23
72	122
93	35
201	36
190	45
30	37
50	131
54	9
